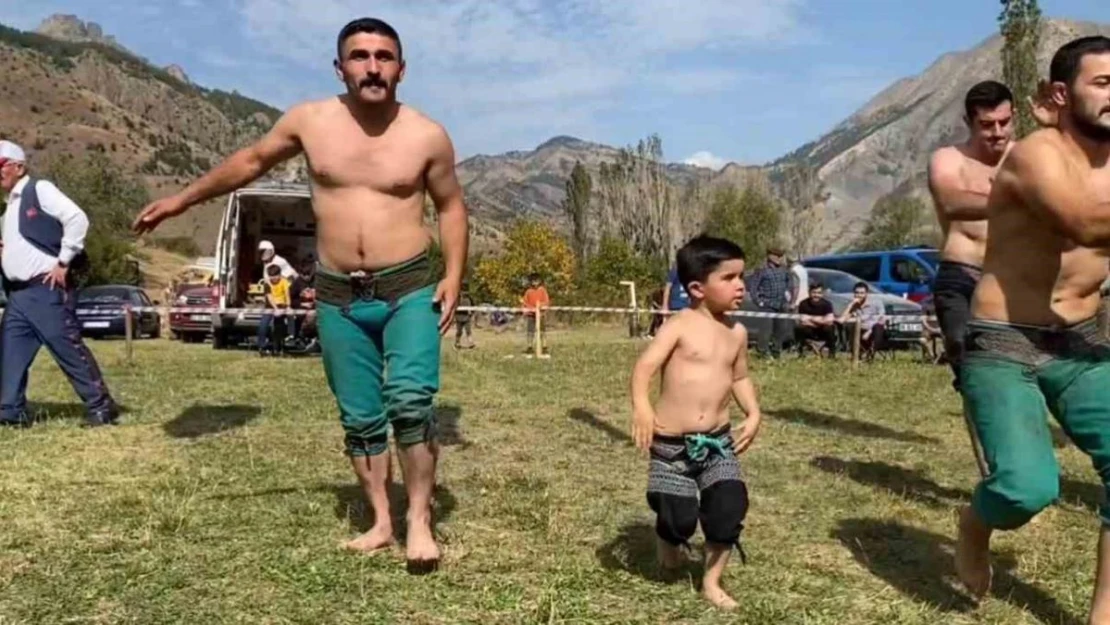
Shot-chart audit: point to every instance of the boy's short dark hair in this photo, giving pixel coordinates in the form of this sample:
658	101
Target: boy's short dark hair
702	255
861	285
273	270
815	285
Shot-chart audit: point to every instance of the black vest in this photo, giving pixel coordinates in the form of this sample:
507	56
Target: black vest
40	229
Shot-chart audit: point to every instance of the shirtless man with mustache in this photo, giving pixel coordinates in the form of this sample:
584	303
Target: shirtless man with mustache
380	303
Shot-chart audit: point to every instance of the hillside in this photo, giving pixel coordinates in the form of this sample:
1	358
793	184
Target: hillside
147	119
884	147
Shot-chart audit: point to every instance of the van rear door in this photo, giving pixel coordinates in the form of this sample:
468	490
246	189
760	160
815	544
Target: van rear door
228	252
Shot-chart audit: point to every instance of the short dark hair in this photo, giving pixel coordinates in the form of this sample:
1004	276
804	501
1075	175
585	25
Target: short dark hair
987	94
1065	63
701	255
815	285
369	25
273	270
862	285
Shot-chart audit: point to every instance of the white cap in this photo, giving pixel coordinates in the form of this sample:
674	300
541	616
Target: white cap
11	152
265	245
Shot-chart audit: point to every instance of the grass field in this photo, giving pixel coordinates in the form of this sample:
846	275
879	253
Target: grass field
224	495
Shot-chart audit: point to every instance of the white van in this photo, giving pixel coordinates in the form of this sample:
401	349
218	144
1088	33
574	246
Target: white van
272	211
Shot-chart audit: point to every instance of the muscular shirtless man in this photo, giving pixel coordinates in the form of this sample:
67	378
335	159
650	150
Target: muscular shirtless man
1032	342
960	180
371	159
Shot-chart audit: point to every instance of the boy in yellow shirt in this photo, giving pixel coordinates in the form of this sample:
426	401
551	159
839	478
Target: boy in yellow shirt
278	300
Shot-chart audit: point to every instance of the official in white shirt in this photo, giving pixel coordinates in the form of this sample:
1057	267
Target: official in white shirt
44	235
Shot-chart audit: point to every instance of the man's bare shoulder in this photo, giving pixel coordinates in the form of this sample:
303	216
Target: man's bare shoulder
1038	157
945	166
420	126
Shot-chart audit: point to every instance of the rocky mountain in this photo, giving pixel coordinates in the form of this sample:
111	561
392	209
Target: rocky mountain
151	121
155	122
884	147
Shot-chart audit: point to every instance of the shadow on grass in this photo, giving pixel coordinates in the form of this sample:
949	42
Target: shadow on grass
614	434
823	421
893	479
633	551
43	411
351	506
1080	494
447	424
920	565
196	421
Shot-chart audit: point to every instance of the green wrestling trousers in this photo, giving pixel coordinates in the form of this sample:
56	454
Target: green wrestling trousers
380	342
1010	376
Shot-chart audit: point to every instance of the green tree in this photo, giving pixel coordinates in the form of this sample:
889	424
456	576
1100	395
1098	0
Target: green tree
530	247
1020	22
750	218
110	198
896	221
576	205
615	261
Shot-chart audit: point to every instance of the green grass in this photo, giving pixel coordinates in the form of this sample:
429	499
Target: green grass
223	497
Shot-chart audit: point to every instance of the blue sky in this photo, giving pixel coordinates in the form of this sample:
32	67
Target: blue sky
739	80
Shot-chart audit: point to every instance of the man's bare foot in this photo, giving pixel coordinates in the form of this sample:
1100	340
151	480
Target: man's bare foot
378	538
718	597
421	549
973	554
669	556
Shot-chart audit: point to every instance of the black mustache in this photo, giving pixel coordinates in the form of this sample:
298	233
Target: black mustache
372	81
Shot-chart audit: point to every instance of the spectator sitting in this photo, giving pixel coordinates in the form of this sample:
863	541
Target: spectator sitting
277	300
819	327
871	316
535	297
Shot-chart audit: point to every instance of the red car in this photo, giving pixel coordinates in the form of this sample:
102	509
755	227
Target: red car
193	326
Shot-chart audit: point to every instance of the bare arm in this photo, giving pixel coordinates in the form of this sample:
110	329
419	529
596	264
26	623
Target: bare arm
245	165
667	297
647	365
447	194
951	195
743	390
1041	176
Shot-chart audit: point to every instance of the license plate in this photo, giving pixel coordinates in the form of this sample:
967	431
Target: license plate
909	327
199	317
96	324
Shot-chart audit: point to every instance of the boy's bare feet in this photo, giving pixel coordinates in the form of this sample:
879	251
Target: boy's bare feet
421	549
973	554
376	539
718	597
669	556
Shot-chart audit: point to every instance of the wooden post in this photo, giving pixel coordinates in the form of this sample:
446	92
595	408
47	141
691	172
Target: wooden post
128	330
857	331
537	343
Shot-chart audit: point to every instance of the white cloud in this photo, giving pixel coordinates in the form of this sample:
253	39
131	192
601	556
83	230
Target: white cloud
480	57
706	159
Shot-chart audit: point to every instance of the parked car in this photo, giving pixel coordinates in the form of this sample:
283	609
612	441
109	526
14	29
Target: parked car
100	311
838	290
906	271
193	326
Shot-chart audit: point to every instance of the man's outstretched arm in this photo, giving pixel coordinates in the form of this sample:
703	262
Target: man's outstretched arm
245	165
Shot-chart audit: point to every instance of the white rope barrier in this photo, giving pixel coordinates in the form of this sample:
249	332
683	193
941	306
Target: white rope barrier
214	310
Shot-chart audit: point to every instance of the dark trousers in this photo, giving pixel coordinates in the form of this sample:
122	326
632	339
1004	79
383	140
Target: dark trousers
37	316
271	334
778	331
953	289
823	334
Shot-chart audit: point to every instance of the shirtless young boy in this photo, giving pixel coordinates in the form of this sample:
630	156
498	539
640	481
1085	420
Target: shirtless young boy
1033	340
703	355
378	301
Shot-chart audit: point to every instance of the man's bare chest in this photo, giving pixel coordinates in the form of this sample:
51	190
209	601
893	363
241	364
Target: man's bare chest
385	165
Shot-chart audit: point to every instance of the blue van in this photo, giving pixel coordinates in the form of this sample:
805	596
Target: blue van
907	272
